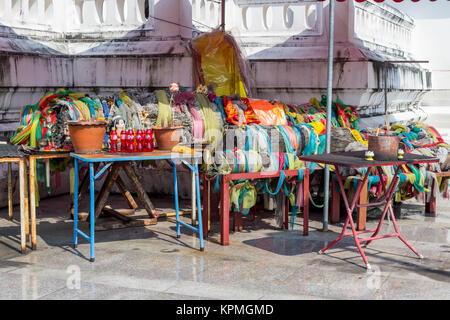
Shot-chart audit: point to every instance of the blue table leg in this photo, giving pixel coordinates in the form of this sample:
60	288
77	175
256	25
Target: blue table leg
175	186
92	211
199	208
75	205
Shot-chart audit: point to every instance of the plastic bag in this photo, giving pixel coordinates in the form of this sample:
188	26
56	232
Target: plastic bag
220	64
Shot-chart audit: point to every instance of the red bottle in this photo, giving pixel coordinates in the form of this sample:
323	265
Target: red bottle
148	141
123	140
113	141
140	140
130	141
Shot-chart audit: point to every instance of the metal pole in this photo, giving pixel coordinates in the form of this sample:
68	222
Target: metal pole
329	104
386	116
222	25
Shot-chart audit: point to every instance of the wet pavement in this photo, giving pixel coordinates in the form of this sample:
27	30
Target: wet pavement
261	262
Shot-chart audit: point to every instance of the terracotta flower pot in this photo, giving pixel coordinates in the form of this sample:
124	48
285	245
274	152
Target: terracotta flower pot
384	147
87	136
167	137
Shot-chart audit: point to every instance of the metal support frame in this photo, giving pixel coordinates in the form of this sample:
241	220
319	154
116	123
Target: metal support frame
329	111
386	198
109	161
222	25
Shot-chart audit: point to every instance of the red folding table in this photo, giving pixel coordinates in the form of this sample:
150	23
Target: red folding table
357	160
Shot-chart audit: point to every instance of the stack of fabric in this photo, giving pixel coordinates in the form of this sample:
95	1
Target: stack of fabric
242	134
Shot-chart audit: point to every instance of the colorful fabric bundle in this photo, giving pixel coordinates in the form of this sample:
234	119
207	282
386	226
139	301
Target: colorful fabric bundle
211	120
165	111
267	114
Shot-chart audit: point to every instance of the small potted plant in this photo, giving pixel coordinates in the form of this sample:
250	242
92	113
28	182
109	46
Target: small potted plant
168	135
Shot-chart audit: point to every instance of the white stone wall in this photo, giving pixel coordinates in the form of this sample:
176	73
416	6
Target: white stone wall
286	43
90	45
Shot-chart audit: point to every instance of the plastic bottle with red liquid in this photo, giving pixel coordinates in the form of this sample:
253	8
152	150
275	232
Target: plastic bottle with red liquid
113	141
123	140
148	141
130	141
140	140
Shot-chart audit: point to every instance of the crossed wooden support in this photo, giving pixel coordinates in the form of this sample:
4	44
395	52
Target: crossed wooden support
123	215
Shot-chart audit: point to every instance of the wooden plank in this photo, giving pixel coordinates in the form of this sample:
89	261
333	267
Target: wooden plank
106	190
9	160
128	197
83	216
142	194
117	224
111	212
124	211
335	202
50	156
362	212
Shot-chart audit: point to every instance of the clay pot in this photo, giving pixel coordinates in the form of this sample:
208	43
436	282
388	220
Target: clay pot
167	137
384	147
87	136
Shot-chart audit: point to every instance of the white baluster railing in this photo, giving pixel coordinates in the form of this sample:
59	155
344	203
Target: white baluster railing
76	15
268	18
381	25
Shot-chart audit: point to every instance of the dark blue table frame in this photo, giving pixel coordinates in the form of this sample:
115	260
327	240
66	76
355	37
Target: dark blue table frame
109	159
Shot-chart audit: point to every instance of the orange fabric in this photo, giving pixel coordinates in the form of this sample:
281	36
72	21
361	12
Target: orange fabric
268	114
233	115
250	115
230	110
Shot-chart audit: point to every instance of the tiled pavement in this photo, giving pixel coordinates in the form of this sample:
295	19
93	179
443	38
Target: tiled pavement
260	263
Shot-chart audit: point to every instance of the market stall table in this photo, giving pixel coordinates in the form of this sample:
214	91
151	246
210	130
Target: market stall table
109	159
357	160
225	199
9	157
32	180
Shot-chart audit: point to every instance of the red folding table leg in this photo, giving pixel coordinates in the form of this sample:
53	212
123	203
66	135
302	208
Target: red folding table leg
349	215
394	222
388	195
